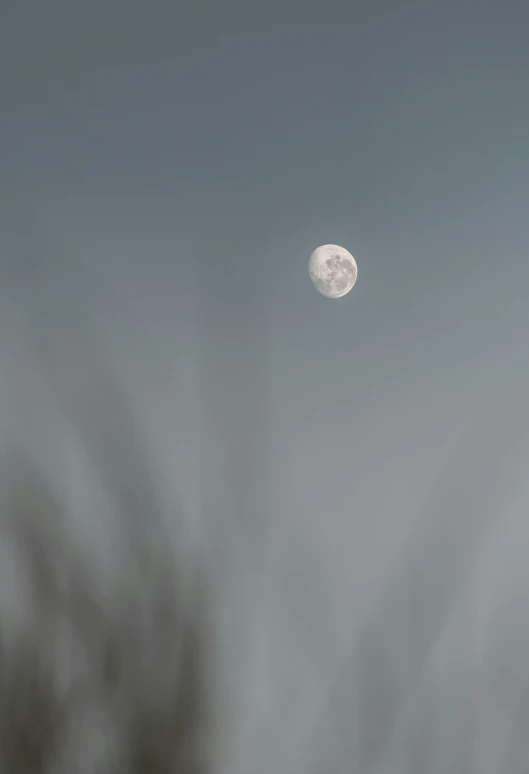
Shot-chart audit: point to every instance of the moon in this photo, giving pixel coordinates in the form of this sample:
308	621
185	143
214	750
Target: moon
333	270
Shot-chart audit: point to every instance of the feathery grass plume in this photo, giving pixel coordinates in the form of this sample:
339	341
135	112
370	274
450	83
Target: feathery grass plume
97	675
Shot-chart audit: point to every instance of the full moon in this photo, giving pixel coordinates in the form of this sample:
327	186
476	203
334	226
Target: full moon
332	270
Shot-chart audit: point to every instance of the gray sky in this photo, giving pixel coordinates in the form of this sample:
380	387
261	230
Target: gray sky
176	168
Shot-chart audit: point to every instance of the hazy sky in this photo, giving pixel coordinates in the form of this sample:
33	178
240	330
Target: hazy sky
177	167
